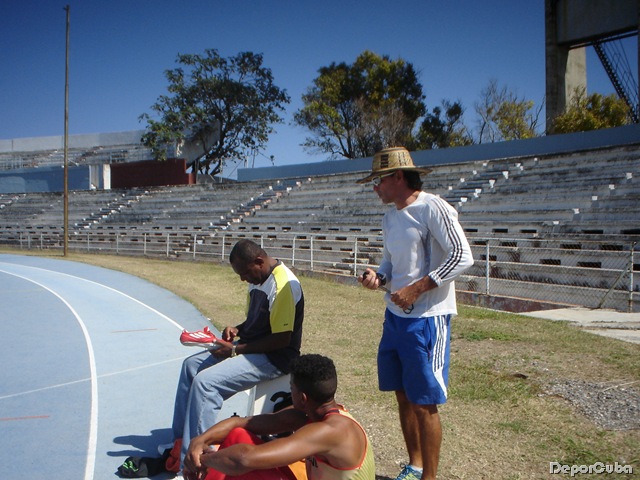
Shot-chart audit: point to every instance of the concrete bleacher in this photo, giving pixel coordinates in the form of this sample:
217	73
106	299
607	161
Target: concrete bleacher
326	203
575	193
521	197
25	209
100	148
552	195
333	223
560	194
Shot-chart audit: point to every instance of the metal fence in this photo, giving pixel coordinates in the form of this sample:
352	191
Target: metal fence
562	271
565	271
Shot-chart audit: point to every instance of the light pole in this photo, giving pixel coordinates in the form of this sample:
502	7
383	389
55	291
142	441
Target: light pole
66	141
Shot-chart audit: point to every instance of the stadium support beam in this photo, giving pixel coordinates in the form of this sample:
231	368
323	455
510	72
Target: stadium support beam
570	26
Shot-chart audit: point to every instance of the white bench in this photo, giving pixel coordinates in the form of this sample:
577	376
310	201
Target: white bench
263	398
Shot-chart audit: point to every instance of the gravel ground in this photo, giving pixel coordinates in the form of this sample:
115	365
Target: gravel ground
610	406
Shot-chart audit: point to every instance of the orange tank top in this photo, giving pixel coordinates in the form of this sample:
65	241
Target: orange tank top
318	469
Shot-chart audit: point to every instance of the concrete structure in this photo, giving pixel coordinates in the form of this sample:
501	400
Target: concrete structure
48	179
96	161
86	141
570	26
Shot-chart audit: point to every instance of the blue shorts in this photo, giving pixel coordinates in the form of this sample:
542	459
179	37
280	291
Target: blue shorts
414	356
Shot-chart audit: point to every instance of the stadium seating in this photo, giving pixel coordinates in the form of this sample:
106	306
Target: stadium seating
75	156
333	224
591	192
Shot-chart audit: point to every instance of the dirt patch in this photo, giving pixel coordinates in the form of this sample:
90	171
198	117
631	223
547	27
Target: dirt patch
610	406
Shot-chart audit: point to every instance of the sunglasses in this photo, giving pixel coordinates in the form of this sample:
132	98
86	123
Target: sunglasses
378	180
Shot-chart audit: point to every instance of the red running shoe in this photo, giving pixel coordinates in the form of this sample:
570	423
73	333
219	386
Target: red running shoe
202	338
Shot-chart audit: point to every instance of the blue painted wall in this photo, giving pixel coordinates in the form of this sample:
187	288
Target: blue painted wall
43	179
552	144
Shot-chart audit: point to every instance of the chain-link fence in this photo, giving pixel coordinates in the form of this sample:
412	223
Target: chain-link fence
569	271
593	274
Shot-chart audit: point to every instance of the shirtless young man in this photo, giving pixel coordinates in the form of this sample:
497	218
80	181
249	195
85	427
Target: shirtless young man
333	444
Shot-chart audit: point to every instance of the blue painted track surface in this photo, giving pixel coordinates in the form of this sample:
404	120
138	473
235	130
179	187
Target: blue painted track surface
90	362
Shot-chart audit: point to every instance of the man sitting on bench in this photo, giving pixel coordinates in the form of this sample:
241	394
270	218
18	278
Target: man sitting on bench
269	338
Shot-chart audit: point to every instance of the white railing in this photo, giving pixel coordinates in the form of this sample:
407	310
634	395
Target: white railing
564	271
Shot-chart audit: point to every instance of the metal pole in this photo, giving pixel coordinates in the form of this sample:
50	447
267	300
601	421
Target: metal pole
66	141
293	253
355	257
630	307
487	270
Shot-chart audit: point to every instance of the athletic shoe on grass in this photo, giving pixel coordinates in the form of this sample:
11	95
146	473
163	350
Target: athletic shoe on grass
409	473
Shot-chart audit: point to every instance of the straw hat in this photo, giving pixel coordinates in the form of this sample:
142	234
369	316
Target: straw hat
390	160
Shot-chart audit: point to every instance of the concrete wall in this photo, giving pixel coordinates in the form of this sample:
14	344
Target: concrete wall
580	21
569	26
88	141
548	145
44	179
150	174
117	175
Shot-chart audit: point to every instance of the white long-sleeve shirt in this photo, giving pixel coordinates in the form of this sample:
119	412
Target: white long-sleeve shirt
424	238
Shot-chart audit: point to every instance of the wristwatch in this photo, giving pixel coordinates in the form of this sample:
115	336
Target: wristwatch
233	350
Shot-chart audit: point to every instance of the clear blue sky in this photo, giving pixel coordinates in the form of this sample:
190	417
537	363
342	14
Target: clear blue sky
121	48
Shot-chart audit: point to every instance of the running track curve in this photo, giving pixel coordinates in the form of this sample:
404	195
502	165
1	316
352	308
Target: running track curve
90	362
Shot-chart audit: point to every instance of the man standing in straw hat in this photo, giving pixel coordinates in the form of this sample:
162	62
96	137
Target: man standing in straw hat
425	249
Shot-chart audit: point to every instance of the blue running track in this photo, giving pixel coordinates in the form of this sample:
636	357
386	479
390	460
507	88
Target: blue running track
90	362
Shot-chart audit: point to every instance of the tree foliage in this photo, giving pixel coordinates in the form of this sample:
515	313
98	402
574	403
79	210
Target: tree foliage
591	112
354	110
443	128
503	116
234	95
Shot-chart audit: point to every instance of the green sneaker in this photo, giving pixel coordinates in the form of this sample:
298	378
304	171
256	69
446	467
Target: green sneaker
409	473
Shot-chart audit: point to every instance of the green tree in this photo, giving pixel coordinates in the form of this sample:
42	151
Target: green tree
503	116
354	110
591	112
443	128
225	105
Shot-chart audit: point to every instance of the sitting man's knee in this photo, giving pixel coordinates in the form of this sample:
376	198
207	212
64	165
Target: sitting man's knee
240	435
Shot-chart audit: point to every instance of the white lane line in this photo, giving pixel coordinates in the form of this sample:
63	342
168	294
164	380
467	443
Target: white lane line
92	447
43	389
83	380
173	322
93	423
